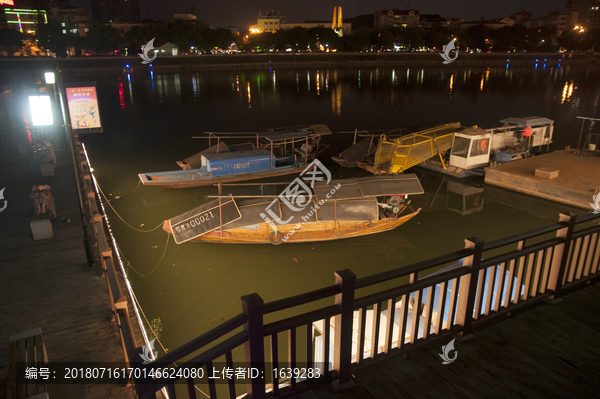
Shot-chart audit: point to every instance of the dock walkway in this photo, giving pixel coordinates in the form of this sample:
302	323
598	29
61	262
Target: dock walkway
48	284
577	181
545	352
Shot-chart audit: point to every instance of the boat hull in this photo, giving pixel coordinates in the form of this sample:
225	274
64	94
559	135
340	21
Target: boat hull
302	232
188	179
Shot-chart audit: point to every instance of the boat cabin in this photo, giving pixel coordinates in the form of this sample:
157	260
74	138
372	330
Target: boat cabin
474	147
471	148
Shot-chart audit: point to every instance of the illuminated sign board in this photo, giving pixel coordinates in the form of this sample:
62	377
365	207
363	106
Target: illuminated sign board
41	110
83	109
7	3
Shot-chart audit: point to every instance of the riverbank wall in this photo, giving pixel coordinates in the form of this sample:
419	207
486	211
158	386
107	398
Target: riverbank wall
296	60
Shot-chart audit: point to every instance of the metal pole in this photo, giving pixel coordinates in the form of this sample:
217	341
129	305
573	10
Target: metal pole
220	213
89	251
306	152
580	134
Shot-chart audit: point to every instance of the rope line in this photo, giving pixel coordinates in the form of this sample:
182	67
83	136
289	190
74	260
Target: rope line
119	216
161	259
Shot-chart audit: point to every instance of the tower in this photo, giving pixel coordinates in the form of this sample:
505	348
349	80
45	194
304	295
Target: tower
337	20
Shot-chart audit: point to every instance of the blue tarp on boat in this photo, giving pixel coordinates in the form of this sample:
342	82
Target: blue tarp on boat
236	162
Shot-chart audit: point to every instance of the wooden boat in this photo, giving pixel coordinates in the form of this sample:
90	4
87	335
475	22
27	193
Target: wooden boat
276	152
338	209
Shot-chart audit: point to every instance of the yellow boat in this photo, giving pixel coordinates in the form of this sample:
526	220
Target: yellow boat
394	156
337	209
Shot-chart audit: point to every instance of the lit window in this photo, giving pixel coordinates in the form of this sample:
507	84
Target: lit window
63	24
64	31
74	30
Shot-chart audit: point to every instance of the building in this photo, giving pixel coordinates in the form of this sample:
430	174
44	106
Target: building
492	24
429	21
588	13
107	11
167	49
521	18
270	22
396	19
554	19
70	19
23	19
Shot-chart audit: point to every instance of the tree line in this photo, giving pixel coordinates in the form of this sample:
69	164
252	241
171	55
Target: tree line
196	37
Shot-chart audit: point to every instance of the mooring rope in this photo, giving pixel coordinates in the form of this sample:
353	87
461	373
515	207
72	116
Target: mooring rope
119	216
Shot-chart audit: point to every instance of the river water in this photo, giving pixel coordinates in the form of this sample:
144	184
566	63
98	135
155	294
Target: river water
150	120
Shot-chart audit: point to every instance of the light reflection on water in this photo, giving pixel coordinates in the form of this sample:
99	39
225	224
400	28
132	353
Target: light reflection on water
197	286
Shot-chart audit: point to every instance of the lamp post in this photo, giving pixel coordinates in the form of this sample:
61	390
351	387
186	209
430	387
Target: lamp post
89	251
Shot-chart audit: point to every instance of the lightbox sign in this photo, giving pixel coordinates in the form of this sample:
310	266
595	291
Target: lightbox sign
7	3
41	110
83	109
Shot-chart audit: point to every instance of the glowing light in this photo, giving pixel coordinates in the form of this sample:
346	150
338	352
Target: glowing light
49	76
567	91
41	110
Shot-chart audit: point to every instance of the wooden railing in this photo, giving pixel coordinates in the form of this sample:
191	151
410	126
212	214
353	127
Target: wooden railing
420	307
118	301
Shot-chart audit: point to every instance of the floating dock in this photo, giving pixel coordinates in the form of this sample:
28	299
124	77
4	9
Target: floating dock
561	176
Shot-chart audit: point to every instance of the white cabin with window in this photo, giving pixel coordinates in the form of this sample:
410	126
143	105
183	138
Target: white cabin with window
474	147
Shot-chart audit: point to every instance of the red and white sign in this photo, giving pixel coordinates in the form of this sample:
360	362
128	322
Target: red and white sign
83	108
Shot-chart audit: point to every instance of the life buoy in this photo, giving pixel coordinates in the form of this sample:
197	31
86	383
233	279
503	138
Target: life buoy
275	241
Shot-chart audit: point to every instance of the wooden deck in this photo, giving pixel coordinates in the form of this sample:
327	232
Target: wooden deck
48	283
576	183
550	351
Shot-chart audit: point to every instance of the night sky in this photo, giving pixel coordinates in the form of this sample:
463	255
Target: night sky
242	14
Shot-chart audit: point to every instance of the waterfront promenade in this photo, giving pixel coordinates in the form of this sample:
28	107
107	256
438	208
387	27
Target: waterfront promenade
48	283
550	351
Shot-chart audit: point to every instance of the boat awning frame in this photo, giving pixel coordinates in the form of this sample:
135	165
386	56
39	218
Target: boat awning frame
528	121
364	187
274	135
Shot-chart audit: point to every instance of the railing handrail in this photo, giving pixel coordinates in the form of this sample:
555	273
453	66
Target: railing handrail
301	299
423	283
525	251
501	242
586	231
410	269
202	359
300	320
587	217
204	339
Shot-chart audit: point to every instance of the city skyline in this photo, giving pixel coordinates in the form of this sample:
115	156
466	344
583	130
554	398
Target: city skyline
243	14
